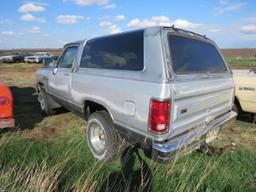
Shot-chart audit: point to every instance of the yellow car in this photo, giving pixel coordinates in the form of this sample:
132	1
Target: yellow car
245	96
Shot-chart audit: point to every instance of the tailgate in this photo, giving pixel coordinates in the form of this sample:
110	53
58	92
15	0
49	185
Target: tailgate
198	102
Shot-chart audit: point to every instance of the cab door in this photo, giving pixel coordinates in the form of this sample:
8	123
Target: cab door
59	80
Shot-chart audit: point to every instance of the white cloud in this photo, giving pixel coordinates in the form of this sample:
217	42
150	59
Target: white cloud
119	17
91	2
182	23
162	21
110	17
105	23
178	23
69	19
111	28
223	2
104	3
35	30
248	28
214	30
30	17
7	33
31	7
225	6
110	6
154	21
250	19
114	29
5	21
105	17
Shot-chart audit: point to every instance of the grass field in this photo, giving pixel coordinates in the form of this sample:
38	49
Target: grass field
51	154
242	63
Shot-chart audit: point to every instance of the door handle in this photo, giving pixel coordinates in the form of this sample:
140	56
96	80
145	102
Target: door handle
67	74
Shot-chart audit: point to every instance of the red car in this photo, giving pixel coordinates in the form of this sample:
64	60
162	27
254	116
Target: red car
6	107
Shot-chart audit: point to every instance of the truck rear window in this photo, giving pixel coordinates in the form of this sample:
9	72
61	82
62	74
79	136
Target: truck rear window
194	56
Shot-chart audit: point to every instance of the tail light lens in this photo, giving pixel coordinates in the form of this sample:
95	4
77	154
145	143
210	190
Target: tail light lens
3	101
159	116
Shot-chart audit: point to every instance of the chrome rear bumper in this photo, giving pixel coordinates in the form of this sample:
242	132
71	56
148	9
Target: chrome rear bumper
192	139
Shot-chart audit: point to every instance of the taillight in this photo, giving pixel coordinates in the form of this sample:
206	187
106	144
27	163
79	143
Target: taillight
3	101
159	116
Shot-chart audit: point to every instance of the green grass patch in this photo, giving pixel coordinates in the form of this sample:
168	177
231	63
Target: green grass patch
240	63
75	168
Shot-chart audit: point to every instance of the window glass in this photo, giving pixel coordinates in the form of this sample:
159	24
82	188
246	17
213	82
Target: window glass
68	58
194	56
121	52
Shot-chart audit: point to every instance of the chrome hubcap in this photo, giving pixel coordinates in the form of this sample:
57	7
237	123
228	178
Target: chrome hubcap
97	138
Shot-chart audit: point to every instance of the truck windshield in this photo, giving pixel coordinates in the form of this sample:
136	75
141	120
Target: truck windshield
190	56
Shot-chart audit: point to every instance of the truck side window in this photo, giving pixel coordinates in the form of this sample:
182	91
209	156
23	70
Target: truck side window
68	57
118	52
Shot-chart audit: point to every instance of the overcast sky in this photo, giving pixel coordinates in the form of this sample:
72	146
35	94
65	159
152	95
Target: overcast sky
52	23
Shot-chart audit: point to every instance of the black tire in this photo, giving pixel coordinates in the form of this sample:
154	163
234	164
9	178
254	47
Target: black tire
45	104
114	145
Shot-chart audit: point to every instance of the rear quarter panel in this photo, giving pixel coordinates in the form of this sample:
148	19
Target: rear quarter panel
126	100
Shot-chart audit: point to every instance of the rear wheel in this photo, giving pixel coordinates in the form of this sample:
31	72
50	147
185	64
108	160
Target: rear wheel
44	102
103	139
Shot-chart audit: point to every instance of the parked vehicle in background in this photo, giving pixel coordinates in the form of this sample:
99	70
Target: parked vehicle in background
15	57
245	94
161	88
6	107
37	58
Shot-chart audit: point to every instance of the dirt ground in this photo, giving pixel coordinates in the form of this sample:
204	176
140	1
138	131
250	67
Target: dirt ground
29	120
233	53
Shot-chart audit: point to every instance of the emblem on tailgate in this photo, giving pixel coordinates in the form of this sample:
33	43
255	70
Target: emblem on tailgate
247	88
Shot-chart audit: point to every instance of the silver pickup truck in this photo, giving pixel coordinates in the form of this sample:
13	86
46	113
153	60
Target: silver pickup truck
163	89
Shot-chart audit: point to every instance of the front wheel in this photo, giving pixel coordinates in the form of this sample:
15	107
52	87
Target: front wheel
103	139
44	102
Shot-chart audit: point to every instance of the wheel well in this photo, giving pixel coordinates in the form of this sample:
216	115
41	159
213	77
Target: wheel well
91	107
237	103
40	84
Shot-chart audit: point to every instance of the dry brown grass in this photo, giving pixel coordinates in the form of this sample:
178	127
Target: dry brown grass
13	74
